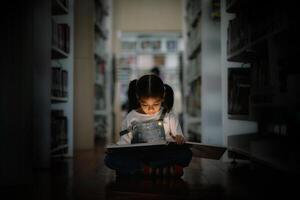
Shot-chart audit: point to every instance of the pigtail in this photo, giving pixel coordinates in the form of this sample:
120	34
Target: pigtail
169	98
132	98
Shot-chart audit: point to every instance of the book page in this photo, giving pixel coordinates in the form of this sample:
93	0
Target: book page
112	146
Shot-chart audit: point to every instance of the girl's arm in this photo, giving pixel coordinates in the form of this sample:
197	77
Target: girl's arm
175	129
126	138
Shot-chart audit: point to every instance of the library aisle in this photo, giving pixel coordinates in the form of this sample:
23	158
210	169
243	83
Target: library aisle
64	74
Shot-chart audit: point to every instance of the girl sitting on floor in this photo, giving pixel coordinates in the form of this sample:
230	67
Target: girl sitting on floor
150	119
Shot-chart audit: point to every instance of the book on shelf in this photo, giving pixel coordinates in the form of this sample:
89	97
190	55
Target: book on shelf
58	129
56	82
239	86
61	36
59	83
199	149
64	84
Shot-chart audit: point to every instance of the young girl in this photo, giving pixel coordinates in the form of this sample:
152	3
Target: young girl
150	119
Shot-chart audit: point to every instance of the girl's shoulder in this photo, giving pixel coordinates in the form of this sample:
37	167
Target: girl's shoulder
131	114
171	115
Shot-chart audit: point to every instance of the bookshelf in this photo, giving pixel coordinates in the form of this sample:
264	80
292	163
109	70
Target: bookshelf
103	75
62	62
192	73
264	38
201	76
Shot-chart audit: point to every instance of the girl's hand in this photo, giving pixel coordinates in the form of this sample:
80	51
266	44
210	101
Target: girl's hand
179	139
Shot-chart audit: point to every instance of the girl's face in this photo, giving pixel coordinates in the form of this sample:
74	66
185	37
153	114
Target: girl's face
150	105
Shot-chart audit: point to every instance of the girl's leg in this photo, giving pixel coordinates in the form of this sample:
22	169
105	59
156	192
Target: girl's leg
124	163
169	162
181	156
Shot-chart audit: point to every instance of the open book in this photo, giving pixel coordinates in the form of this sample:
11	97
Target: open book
199	149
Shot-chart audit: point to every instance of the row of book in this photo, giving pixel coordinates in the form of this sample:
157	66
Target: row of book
61	36
194	67
246	29
99	97
194	132
255	88
100	126
100	72
59	128
238	91
193	98
59	85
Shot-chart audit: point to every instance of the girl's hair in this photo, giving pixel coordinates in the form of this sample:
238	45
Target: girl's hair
169	98
149	86
132	100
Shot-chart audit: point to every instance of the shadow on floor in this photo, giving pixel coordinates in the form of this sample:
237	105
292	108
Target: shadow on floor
86	177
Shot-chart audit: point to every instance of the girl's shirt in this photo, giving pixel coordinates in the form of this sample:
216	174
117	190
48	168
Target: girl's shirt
170	121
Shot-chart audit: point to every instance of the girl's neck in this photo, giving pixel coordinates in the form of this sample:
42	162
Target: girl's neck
140	110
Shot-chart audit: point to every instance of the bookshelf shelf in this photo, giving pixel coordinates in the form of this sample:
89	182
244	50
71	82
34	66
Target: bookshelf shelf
238	117
58	99
59	8
195	20
194	119
100	112
64	146
251	145
194	10
194	77
98	83
195	51
57	53
101	31
60	155
98	57
246	53
103	7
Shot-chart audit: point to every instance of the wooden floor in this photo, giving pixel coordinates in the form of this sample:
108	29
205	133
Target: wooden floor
86	177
